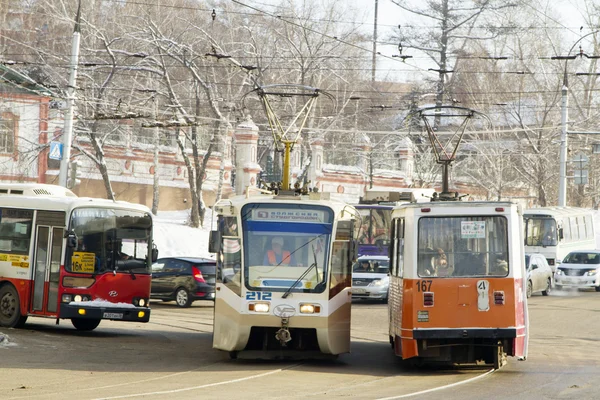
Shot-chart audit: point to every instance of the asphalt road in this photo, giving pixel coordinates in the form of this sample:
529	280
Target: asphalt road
171	357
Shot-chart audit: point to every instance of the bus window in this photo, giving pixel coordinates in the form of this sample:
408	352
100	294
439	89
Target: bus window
462	246
15	230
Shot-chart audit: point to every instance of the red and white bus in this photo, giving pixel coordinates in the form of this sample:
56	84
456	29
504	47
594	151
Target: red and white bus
69	257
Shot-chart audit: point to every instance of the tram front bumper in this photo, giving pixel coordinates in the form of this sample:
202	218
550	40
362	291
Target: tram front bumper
134	314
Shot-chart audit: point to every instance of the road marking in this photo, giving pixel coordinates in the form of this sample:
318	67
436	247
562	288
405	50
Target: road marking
402	396
194	387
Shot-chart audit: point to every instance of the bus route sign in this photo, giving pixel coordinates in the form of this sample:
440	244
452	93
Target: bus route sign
83	262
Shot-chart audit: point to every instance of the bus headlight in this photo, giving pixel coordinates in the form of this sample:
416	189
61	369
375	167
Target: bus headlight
259	307
310	308
77	298
66	298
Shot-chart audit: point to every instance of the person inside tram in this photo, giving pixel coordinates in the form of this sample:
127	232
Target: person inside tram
440	264
277	255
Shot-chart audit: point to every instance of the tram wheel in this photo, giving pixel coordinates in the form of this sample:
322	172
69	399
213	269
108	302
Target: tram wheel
549	288
84	324
10	311
182	298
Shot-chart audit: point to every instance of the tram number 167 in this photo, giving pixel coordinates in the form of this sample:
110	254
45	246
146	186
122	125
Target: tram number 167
424	285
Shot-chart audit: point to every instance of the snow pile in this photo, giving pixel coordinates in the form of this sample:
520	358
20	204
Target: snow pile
99	303
5	341
174	238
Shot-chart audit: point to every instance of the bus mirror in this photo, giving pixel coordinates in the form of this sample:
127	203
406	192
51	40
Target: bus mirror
154	253
560	234
214	242
71	239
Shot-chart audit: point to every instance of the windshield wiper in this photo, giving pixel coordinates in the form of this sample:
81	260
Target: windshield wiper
313	265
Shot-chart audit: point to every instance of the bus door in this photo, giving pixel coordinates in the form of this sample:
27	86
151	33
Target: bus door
49	233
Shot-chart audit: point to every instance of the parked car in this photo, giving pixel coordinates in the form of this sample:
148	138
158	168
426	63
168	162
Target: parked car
370	278
183	279
579	269
539	274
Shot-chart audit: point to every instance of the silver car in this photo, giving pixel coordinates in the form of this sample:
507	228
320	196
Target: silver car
539	274
580	269
370	278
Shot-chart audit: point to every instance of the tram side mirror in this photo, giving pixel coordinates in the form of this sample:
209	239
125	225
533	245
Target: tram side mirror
71	239
154	253
214	242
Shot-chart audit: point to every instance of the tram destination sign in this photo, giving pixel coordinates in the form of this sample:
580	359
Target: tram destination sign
289	215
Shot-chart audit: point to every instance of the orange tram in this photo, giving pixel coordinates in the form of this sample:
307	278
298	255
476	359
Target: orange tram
457	291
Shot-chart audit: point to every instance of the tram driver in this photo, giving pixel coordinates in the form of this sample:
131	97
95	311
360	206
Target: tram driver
277	255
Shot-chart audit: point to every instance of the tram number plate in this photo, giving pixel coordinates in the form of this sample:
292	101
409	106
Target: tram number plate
111	315
265	296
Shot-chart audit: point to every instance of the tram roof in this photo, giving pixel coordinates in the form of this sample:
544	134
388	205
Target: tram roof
54	198
239	201
557	211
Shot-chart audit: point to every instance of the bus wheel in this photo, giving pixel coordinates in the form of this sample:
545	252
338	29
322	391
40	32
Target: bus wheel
182	298
10	314
548	288
84	324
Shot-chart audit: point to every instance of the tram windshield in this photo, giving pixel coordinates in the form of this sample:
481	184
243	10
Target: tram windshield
463	246
373	236
110	240
285	245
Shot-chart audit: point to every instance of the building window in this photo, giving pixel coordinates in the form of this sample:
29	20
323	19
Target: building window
7	133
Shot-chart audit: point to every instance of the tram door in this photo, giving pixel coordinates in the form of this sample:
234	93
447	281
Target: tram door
49	232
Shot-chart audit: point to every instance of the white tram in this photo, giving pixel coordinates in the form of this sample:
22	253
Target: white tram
284	280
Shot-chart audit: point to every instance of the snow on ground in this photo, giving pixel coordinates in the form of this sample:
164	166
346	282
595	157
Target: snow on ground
174	237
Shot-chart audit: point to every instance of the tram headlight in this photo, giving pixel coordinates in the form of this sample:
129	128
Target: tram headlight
259	307
67	298
77	298
310	308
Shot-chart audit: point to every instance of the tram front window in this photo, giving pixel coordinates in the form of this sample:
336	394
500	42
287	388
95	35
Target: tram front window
286	245
463	246
110	240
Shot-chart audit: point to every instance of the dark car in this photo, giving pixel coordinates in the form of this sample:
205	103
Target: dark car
183	279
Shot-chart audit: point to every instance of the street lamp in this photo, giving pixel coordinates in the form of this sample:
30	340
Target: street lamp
562	184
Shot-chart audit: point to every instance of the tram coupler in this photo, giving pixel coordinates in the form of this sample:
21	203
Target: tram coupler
283	334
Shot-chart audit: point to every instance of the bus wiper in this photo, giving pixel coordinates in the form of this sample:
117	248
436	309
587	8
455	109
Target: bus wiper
313	265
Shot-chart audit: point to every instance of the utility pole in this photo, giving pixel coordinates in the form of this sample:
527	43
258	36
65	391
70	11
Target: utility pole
564	118
68	126
374	62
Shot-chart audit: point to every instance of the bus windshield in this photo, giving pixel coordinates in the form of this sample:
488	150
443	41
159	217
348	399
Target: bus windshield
463	246
540	231
285	245
110	240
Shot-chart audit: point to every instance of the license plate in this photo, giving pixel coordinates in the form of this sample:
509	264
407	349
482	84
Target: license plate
110	315
568	280
358	291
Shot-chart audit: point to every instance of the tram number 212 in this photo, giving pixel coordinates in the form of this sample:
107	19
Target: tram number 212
266	296
424	285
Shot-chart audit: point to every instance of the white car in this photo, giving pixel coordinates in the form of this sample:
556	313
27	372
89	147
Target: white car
370	278
539	274
580	269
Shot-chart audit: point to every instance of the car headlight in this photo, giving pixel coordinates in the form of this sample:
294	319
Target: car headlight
591	272
560	272
378	282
